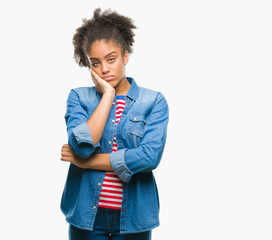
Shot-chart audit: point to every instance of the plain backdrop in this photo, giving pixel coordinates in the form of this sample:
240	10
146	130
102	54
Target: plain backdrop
211	60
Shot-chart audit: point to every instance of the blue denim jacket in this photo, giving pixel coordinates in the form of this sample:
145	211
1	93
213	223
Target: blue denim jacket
140	136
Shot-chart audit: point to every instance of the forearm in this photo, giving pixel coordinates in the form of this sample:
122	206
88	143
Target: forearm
96	123
100	162
147	155
127	162
96	161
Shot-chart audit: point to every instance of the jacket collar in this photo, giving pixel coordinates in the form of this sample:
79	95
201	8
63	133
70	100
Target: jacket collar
133	91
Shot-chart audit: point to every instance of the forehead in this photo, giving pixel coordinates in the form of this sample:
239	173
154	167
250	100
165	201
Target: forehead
101	48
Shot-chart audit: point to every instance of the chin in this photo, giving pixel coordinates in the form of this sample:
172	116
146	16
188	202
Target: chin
114	84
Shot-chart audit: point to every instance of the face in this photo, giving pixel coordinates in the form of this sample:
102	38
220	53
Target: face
108	62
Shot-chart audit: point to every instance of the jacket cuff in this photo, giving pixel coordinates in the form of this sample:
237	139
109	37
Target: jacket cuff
82	134
117	160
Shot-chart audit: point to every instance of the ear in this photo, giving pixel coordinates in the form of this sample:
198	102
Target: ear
125	57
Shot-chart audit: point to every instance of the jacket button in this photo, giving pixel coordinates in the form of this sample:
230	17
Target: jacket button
113	120
124	210
94	207
109	142
120	144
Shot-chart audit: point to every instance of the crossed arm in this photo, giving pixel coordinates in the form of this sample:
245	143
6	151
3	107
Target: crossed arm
96	123
124	162
96	161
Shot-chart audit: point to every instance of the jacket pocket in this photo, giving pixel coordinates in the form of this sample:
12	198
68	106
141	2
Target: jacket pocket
137	123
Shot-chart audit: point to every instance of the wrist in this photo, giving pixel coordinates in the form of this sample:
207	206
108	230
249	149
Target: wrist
110	94
100	162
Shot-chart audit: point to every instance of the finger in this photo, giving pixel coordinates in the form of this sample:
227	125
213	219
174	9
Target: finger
68	158
94	74
94	81
66	149
65	146
95	77
65	159
66	152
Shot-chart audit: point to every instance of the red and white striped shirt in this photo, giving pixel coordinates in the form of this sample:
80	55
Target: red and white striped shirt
112	189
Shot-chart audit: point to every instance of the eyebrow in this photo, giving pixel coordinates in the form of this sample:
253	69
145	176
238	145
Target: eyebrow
104	57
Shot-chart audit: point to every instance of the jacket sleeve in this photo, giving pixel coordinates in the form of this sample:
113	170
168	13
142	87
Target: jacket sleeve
79	135
127	162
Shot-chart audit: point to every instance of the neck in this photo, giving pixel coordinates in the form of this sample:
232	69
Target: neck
123	87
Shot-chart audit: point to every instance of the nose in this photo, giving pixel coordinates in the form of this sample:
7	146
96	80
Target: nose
105	68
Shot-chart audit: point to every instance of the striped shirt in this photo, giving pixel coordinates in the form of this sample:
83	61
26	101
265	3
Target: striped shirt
112	189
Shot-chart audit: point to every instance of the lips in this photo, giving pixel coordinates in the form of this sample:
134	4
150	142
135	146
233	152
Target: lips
108	78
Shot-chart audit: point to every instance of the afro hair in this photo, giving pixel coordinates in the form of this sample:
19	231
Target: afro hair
107	25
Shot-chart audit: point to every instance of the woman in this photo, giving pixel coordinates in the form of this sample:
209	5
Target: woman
116	136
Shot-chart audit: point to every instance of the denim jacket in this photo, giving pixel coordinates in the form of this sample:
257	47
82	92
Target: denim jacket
140	136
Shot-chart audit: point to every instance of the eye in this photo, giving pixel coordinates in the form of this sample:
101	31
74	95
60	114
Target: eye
95	64
111	60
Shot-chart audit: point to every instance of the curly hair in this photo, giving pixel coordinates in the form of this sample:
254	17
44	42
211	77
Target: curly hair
107	25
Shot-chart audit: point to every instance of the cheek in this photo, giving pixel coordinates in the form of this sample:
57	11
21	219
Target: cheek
122	67
119	68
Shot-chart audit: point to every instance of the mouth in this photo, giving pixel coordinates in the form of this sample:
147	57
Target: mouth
108	78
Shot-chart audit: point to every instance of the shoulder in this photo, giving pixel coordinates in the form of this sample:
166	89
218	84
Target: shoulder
148	95
151	101
88	94
84	91
87	97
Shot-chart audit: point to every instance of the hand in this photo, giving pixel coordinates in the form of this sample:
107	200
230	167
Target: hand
96	161
101	85
67	155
